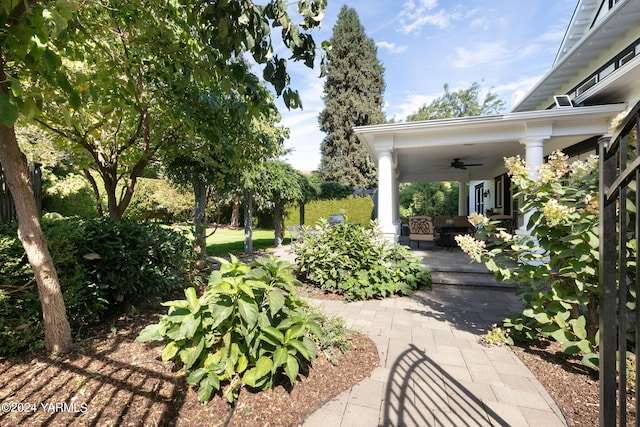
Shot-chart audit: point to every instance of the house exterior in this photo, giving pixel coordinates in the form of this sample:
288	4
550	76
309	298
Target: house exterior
595	76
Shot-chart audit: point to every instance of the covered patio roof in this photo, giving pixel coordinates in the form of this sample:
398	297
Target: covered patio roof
423	151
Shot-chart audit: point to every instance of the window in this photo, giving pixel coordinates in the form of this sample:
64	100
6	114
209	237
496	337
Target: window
499	191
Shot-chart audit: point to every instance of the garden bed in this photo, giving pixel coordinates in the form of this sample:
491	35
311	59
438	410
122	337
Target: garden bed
111	379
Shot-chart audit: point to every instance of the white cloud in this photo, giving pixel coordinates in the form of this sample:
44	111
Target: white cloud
415	15
514	91
412	102
392	47
480	54
554	35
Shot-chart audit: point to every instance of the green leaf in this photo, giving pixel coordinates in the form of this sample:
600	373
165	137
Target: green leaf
276	301
192	300
295	331
300	348
579	327
273	332
244	287
542	318
151	333
570	347
315	329
186	328
242	364
248	310
263	366
195	376
207	386
291	368
8	110
280	357
220	312
310	346
190	354
561	336
170	351
592	360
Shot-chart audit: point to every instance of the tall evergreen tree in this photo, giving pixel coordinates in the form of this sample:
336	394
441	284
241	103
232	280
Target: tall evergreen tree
353	97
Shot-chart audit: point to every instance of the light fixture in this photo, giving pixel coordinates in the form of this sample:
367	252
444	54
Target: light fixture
486	193
563	101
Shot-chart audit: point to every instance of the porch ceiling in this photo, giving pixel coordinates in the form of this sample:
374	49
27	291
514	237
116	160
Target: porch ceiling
423	151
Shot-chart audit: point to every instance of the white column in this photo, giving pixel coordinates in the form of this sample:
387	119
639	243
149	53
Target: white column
462	198
386	194
534	156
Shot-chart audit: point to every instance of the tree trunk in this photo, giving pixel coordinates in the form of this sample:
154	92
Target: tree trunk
248	219
200	220
57	332
277	223
235	212
96	192
301	213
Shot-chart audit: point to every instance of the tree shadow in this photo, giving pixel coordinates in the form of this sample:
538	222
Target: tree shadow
421	393
112	381
468	310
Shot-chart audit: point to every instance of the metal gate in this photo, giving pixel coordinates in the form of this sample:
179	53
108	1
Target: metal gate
619	268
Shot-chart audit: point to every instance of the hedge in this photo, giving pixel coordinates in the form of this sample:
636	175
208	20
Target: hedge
357	210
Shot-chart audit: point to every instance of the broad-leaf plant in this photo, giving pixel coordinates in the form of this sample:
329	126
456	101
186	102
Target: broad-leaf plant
247	328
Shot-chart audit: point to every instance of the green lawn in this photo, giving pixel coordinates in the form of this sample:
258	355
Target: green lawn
224	241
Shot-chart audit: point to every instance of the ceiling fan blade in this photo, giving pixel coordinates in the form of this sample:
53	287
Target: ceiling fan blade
473	164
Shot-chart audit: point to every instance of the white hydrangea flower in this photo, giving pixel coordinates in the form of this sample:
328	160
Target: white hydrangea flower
555	213
472	247
477	219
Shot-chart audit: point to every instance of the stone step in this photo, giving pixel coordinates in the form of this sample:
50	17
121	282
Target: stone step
467	279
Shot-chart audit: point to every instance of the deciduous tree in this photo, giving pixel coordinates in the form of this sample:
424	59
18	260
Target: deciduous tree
461	103
38	53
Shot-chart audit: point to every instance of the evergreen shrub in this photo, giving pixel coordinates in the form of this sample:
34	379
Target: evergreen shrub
357	262
359	210
102	265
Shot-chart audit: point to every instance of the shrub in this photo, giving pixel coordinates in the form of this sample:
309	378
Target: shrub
358	209
555	269
357	262
134	261
100	263
70	195
248	327
159	199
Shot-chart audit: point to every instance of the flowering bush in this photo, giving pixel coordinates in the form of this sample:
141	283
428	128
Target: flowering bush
554	266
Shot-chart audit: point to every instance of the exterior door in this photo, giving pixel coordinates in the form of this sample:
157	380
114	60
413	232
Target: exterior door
479	191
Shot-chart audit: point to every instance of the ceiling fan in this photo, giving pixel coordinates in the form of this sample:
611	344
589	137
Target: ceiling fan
459	164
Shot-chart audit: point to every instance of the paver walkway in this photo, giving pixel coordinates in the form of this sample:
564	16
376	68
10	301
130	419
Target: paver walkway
433	371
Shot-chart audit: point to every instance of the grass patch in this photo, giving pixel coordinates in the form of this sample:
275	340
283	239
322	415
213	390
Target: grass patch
225	241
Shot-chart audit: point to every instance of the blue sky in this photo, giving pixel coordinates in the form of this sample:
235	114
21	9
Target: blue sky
505	45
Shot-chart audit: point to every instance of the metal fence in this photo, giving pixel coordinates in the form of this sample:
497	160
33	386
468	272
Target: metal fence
619	269
7	206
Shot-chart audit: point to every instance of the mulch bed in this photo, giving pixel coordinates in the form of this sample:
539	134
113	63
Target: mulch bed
111	379
575	388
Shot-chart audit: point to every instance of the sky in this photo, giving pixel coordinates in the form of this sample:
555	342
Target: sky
504	45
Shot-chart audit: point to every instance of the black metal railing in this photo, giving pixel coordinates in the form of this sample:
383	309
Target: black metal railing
619	269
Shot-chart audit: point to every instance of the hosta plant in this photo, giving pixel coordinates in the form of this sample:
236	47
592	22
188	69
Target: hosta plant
247	328
357	262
